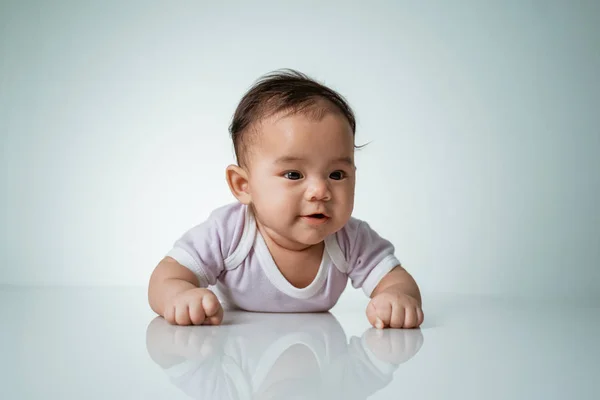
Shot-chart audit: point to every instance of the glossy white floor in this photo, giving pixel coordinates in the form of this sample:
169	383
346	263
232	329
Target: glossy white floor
99	343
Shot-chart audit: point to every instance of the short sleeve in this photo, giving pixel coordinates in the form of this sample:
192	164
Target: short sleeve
370	257
204	248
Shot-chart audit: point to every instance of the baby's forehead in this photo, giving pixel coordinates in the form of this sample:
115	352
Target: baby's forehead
303	148
290	119
294	133
304	130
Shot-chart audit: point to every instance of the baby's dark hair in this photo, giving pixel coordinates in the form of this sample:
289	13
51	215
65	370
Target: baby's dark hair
283	90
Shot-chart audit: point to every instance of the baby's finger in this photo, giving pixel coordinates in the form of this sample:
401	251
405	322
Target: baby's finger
215	319
212	309
197	315
182	315
210	304
383	314
371	313
410	317
397	316
170	315
420	316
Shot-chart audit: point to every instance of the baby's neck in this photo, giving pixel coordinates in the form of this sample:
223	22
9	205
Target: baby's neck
298	264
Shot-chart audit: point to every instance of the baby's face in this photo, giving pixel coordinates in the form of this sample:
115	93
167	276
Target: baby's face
302	177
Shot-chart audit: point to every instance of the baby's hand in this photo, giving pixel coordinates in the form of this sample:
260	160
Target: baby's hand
394	309
196	306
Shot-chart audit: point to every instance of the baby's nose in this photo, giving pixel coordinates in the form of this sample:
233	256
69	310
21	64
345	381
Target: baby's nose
318	190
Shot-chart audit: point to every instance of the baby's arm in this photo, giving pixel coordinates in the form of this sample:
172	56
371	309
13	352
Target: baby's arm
400	280
174	293
395	296
396	301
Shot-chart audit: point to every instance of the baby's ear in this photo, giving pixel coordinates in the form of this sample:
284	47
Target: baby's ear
237	179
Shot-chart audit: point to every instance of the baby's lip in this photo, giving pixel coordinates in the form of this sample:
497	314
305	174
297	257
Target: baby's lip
313	215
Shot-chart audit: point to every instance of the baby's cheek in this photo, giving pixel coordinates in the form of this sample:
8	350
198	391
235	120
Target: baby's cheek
345	212
345	196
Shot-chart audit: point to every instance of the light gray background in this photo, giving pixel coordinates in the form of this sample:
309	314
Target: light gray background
483	118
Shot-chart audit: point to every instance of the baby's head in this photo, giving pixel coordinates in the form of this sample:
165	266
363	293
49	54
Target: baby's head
294	144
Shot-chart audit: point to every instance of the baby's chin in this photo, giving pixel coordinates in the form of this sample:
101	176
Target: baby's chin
299	236
298	240
311	239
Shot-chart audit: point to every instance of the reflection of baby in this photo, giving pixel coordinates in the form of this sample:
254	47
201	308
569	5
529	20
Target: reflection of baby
289	243
272	356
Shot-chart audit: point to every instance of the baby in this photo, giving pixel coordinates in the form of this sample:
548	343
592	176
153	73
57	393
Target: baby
290	243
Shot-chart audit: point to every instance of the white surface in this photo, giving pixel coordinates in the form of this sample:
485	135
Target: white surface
483	117
99	343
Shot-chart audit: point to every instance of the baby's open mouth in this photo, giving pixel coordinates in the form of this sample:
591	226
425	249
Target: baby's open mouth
318	216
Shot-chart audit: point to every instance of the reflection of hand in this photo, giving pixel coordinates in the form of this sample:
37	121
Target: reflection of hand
394	346
165	340
196	306
394	309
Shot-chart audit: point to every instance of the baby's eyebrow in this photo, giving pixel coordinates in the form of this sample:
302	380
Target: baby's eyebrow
345	160
289	159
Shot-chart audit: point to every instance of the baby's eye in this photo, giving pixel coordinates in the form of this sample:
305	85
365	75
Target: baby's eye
293	175
337	175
